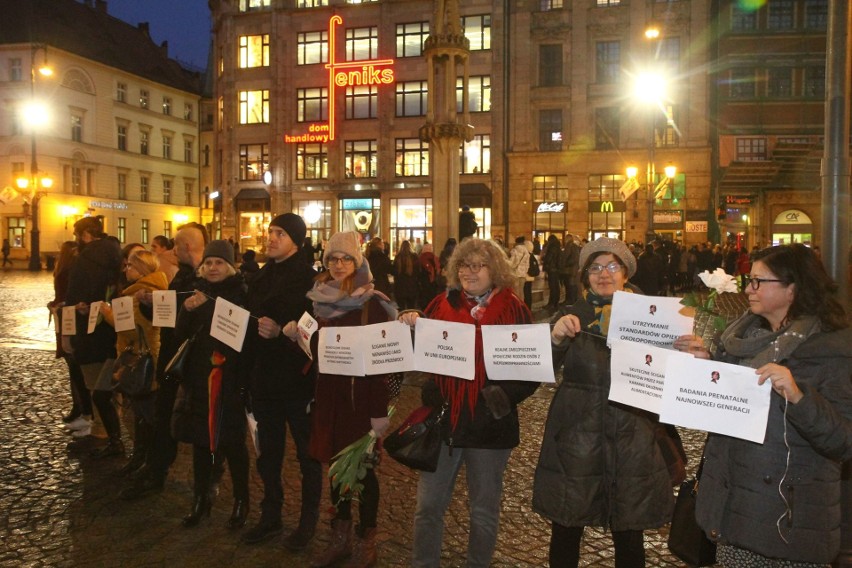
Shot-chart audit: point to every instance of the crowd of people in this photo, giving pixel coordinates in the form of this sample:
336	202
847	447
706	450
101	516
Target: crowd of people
600	462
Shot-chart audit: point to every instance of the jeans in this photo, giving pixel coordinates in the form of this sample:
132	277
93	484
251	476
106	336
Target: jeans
435	490
272	417
565	547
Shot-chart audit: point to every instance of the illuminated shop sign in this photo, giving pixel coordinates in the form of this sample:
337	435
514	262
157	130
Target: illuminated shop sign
617	206
356	204
550	207
374	72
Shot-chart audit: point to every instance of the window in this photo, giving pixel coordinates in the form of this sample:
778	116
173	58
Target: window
122	229
476	155
311	3
220	113
607	3
312	104
187	111
188	151
167	147
547	5
361	158
167	191
550	130
188	191
412	98
816	14
362	43
311	161
550	65
412	157
815	82
477	29
608	61
143	142
254	107
143	188
143	98
254	51
76	128
122	186
122	137
362	101
751	149
254	160
665	128
780	82
249	5
167	106
16	70
312	47
603	189
742	83
410	38
668	52
17	231
479	93
76	180
781	15
167	229
144	231
743	18
607	128
121	92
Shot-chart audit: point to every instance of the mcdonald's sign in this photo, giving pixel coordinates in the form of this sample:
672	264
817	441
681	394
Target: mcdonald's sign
616	206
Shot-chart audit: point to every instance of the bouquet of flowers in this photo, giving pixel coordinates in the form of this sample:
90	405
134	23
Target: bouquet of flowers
718	282
349	465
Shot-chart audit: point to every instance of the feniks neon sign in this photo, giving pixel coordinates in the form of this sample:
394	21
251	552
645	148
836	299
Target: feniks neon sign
372	72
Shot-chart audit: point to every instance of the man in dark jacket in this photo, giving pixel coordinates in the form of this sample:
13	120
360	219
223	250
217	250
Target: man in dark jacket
190	241
651	272
568	266
281	387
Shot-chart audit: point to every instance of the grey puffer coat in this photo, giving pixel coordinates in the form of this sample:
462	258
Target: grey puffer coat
738	500
600	464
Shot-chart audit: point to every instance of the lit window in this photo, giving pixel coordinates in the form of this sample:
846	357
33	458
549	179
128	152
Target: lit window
361	159
143	98
167	229
479	93
122	229
412	98
311	161
187	111
547	5
477	29
751	149
144	231
254	51
608	3
312	48
254	160
254	107
410	38
362	101
412	157
550	130
476	155
311	3
167	106
249	5
312	104
362	43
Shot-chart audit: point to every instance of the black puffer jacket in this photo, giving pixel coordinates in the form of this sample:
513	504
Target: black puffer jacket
599	464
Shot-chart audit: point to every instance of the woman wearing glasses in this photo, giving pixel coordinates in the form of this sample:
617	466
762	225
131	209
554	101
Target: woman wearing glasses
482	424
779	503
599	463
347	407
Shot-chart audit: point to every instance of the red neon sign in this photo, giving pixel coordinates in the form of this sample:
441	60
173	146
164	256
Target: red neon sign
344	74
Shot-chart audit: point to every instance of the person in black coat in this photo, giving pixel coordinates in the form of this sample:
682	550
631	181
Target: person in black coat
211	361
650	274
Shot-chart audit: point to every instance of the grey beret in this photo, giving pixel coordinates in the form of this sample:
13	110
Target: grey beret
612	246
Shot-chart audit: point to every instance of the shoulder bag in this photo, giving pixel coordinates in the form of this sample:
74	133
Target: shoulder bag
176	368
133	370
686	539
417	442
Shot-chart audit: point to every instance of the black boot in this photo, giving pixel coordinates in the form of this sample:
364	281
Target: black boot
239	514
114	448
201	506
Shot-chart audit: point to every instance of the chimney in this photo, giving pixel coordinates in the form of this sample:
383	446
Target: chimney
143	27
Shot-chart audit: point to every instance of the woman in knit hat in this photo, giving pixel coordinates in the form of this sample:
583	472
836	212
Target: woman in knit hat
599	463
219	430
348	407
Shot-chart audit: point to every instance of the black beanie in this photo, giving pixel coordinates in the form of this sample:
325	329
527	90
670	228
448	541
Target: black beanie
293	225
220	249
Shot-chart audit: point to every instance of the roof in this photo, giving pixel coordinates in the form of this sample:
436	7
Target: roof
90	32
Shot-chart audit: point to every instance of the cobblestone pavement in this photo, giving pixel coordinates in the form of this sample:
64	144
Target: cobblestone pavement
61	508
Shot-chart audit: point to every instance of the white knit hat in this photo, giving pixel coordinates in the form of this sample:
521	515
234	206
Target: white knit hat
346	242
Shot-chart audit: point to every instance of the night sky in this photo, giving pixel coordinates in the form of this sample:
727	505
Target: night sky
185	24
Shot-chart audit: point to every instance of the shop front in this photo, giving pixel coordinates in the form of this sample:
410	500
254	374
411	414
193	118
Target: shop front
606	219
253	216
792	226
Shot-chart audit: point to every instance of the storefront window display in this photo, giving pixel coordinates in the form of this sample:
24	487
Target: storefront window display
410	219
550	206
317	216
253	226
792	226
606	208
361	214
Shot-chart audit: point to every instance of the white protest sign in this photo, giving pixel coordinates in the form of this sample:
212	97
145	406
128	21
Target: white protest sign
518	352
164	308
229	324
306	327
445	348
387	347
637	372
94	312
715	397
657	320
122	314
339	351
69	320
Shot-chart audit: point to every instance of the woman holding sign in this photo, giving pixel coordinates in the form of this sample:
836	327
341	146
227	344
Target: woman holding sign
483	423
779	503
347	407
599	463
209	411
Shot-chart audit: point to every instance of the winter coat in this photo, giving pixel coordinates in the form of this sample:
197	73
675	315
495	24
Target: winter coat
278	368
185	280
550	257
519	260
191	410
345	404
650	274
739	504
429	277
405	284
93	278
599	463
381	267
475	426
569	261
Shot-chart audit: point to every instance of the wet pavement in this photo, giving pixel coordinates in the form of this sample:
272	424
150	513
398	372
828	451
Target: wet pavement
61	508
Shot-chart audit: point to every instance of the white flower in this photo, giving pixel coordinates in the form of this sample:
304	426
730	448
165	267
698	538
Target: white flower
719	281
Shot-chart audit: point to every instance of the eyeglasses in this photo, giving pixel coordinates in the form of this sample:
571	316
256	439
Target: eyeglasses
612	268
335	260
755	282
474	267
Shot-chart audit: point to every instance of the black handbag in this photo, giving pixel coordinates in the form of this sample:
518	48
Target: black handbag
686	539
175	369
133	370
417	442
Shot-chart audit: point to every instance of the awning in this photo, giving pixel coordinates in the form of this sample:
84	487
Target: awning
252	193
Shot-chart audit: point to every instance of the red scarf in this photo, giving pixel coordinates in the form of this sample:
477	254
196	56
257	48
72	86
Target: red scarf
502	308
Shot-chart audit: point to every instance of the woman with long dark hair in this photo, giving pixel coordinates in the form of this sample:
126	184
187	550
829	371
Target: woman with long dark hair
406	272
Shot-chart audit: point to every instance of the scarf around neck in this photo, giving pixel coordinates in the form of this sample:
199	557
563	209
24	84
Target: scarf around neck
331	302
754	345
603	311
